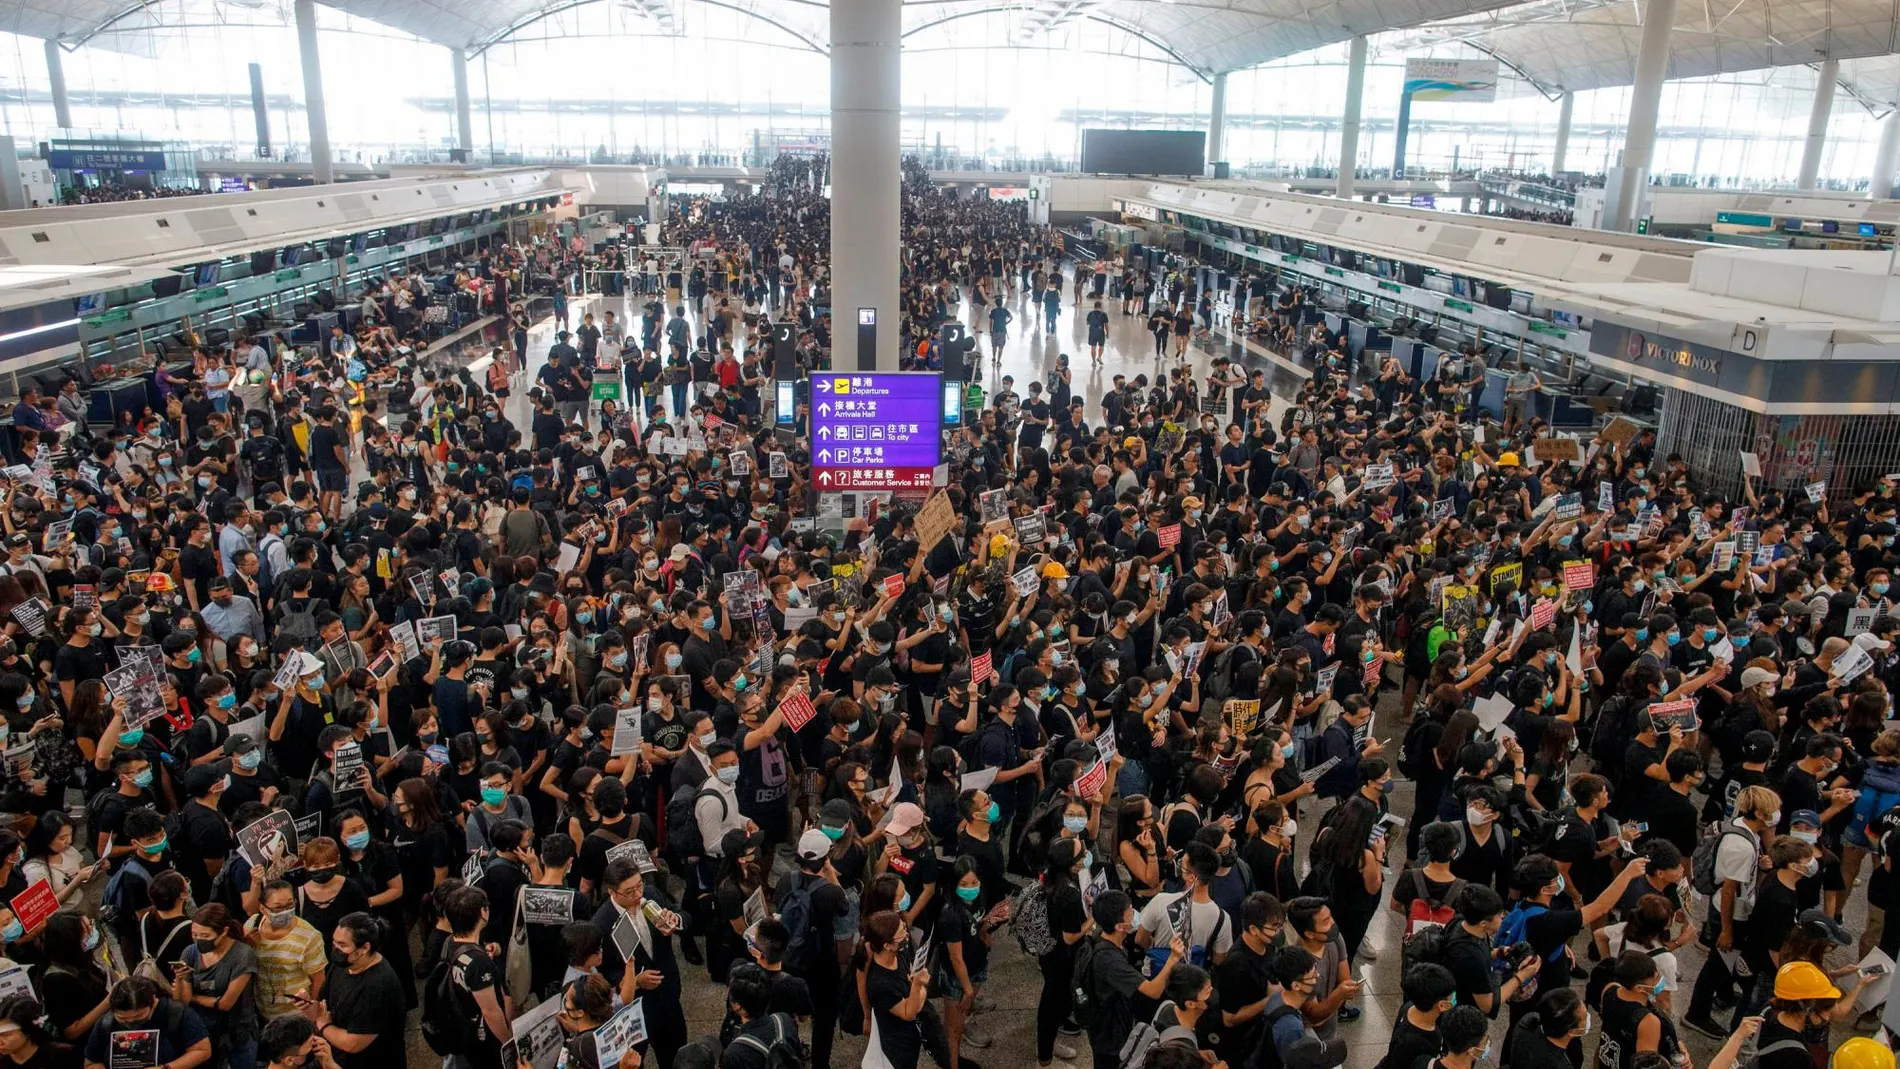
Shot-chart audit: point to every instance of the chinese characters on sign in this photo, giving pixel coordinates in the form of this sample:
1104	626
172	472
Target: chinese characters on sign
880	431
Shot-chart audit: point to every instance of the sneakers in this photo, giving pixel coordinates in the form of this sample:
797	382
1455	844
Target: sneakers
1070	1027
1349	1013
1367	952
975	1038
1064	1051
1707	1026
983	1004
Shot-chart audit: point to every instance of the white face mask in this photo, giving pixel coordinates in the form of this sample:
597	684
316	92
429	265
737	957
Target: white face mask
1291	828
1478	816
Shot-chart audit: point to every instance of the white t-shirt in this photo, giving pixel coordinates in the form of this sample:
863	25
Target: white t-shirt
1205	922
1736	859
1666	962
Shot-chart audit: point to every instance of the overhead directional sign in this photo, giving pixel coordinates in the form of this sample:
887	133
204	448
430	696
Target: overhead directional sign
876	431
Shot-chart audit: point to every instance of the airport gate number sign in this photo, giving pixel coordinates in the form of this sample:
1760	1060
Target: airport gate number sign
876	431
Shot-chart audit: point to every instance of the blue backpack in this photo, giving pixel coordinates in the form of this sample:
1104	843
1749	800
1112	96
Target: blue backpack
1879	792
1516	928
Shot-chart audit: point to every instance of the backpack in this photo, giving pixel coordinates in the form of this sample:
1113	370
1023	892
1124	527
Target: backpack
446	1025
1603	974
112	903
265	577
1267	1055
1147	1035
1217	683
795	911
1425	912
1415	759
1029	920
1517	927
299	624
785	1051
1702	862
1082	1004
682	822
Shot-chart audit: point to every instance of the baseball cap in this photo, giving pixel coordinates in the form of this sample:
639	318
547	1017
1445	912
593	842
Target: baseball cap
1871	642
1806	817
813	846
1758	746
238	744
904	817
681	551
1818	922
1756	676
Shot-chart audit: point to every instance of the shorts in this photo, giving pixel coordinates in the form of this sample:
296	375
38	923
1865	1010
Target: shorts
332	480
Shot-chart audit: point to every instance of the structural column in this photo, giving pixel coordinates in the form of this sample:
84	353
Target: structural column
865	183
1217	127
464	124
1886	157
315	117
1349	123
56	78
1563	133
1817	123
1639	139
260	111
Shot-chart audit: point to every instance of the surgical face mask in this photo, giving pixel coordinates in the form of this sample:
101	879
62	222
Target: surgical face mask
494	795
1075	825
13	932
672	660
1478	816
1642	634
994	813
1807	836
969	894
143	779
357	840
1673	637
250	760
1812	866
729	774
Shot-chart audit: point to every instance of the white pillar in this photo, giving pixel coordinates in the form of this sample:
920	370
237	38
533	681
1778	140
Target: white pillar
1217	124
1817	124
1564	108
315	117
1639	139
56	80
1349	123
865	177
1886	157
464	125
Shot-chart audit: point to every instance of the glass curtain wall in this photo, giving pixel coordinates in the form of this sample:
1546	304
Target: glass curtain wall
599	82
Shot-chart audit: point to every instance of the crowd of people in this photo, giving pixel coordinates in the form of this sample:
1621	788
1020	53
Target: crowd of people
379	701
114	192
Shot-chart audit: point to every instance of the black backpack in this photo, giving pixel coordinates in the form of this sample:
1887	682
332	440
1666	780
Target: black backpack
682	823
785	1051
1267	1055
1083	1005
447	1026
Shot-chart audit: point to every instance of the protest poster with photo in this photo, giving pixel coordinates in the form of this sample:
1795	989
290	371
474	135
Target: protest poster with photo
626	730
634	850
992	507
133	1049
1323	681
15	983
1666	715
776	466
1817	492
1025	581
1380	476
1569	506
1851	664
436	628
538	1036
347	771
142	689
1441	510
623	1031
269	843
547	905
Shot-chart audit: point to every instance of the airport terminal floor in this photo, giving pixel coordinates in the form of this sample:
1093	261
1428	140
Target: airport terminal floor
1014	980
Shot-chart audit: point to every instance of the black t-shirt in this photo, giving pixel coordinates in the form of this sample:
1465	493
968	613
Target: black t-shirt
1469	959
370	1003
1530	1050
203	835
902	1040
1411	1045
472	970
76	664
1241	980
1117	985
1774	1033
323	445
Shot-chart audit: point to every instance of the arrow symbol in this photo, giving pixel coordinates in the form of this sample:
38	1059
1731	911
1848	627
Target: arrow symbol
824	456
824	409
824	385
824	477
824	432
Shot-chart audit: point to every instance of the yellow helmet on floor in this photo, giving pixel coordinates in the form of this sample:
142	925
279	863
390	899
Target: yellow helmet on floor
1863	1053
1804	979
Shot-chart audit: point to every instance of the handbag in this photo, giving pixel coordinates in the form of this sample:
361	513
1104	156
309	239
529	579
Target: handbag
148	966
518	971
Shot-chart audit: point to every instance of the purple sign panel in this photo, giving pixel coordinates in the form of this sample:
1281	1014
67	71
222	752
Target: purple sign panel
876	431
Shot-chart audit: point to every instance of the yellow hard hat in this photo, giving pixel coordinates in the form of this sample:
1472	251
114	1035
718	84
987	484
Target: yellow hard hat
1054	570
1508	460
1863	1053
1804	979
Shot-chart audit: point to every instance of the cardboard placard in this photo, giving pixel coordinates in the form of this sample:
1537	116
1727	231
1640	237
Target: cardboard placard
1751	464
1548	449
935	521
1619	432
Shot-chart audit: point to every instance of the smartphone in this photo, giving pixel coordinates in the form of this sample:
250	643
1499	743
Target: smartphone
1875	969
1640	826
